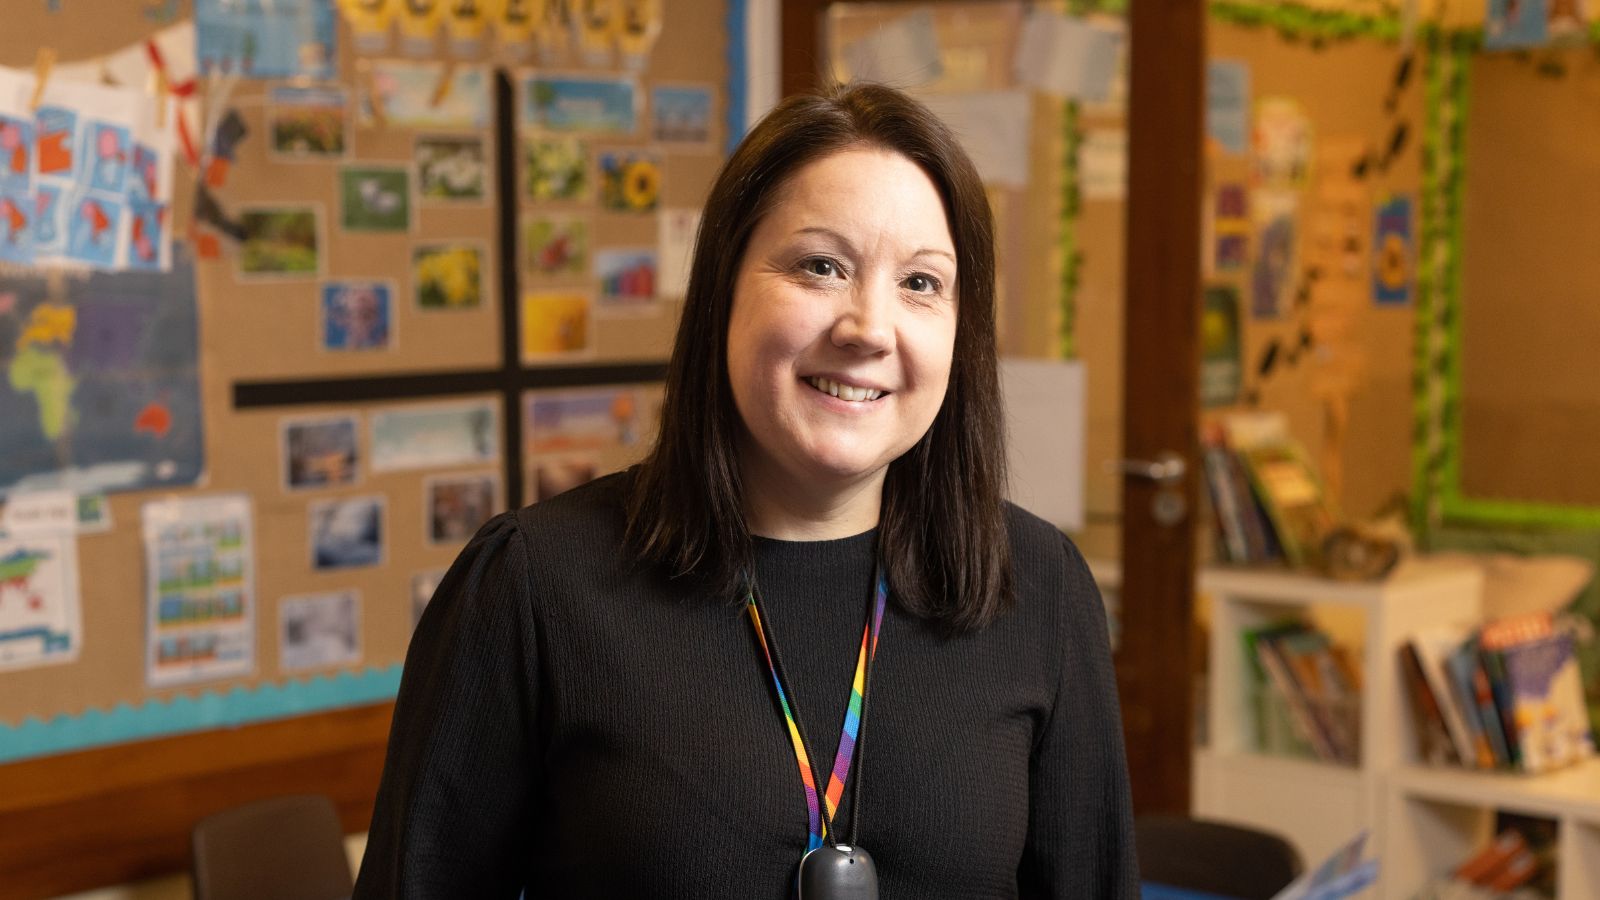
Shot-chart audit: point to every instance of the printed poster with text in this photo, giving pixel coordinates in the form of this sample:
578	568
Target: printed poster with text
200	590
41	620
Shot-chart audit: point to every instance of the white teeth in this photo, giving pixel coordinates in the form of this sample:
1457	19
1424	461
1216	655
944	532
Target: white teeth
844	391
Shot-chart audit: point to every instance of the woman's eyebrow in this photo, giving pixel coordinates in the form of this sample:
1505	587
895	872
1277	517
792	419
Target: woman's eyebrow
841	239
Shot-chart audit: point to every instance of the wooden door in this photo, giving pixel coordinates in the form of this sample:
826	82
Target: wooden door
1160	377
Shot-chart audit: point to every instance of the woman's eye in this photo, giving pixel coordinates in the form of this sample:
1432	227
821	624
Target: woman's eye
922	284
823	268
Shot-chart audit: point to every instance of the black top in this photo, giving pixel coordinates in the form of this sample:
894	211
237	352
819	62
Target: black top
585	727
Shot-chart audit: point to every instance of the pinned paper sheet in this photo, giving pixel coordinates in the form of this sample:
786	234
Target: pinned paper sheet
1068	57
1103	164
41	614
1228	105
1045	412
39	513
993	127
676	233
903	53
200	604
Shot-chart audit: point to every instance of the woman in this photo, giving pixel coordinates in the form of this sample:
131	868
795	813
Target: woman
591	706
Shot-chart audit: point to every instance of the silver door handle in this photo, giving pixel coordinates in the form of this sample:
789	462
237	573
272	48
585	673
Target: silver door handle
1167	468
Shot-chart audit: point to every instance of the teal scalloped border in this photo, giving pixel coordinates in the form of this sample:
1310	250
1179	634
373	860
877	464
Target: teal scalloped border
180	715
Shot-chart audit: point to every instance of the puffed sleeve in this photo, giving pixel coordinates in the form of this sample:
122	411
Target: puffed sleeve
455	807
1080	820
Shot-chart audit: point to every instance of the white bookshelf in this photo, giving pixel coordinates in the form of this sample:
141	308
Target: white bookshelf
1320	805
1437	817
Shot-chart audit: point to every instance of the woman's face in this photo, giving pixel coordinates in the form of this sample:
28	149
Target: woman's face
843	321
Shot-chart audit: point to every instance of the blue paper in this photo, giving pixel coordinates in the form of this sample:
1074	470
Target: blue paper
261	39
1228	104
597	105
1516	24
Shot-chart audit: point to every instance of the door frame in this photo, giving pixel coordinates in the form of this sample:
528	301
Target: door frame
1160	378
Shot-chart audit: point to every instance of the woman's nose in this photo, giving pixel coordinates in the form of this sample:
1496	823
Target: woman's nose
865	323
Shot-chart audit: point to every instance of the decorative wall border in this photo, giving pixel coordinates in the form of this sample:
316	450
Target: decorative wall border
186	713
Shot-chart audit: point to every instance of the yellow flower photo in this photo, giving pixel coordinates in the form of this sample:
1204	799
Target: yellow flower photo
447	276
555	324
630	181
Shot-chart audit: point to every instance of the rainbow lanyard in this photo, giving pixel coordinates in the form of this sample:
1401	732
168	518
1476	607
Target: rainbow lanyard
852	717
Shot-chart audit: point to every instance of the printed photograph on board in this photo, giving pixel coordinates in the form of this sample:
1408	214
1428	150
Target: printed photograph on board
357	315
317	631
681	114
319	452
630	181
451	169
555	169
556	245
346	533
307	123
557	475
556	323
456	505
374	199
447	276
280	242
627	280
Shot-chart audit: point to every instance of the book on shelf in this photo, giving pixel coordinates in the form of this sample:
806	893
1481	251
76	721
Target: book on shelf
1298	669
1432	647
1511	697
1243	531
1434	744
1289	491
1548	702
1267	502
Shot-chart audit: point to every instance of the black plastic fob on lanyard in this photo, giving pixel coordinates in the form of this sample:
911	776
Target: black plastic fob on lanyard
839	872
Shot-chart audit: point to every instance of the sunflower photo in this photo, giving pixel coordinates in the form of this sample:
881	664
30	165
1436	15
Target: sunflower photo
555	324
279	242
630	181
556	245
447	276
555	169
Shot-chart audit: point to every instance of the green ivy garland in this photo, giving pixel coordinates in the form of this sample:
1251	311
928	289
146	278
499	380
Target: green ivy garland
1071	205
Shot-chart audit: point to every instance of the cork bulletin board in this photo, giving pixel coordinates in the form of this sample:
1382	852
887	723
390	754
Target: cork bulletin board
1349	94
1529	426
369	385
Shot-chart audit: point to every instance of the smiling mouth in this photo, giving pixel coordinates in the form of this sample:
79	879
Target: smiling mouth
844	391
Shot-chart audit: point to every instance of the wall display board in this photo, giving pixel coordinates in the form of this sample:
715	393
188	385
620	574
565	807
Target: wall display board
1529	427
969	63
406	275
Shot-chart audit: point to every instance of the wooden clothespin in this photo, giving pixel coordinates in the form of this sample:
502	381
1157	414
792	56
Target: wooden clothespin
447	80
163	88
375	101
42	64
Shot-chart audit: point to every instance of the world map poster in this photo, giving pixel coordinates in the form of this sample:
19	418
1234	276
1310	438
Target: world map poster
100	382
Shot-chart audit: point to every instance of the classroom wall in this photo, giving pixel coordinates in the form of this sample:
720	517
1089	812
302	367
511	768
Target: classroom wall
264	333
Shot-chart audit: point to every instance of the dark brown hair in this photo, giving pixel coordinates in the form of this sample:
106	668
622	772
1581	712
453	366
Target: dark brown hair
942	532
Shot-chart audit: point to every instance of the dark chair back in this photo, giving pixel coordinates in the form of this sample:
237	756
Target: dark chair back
1214	857
285	847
